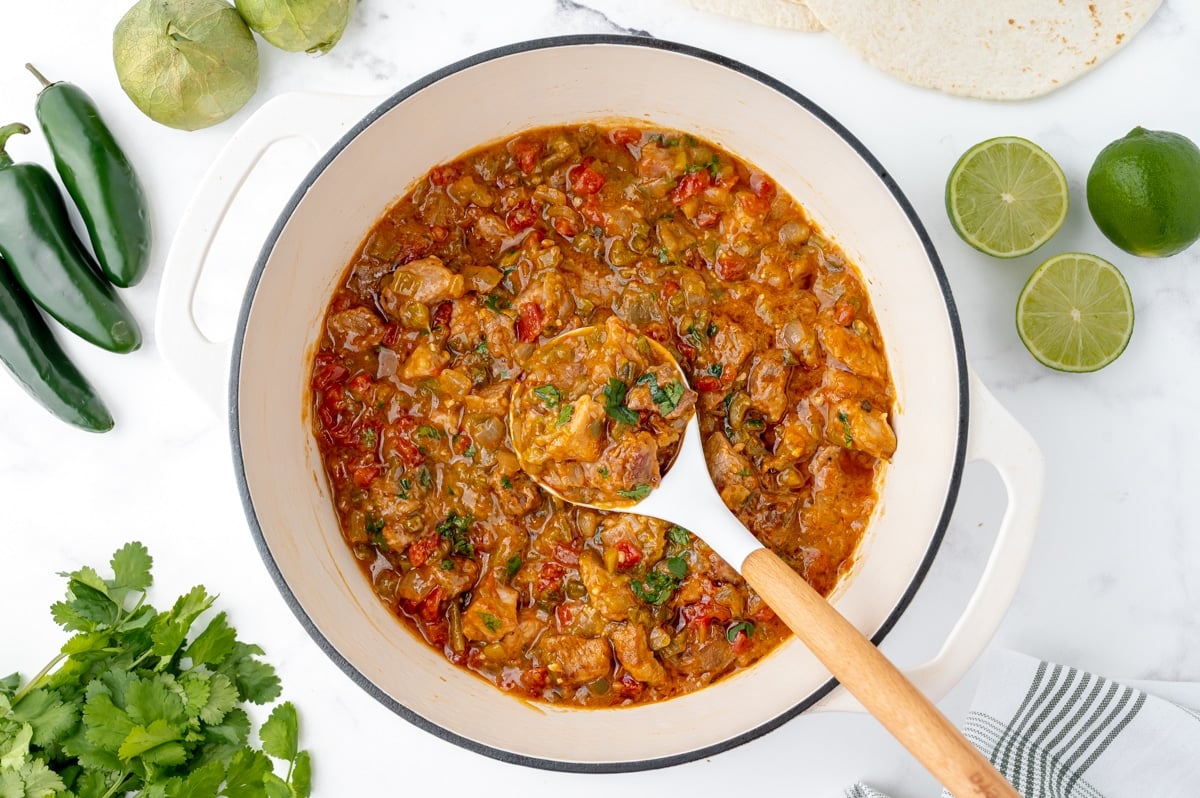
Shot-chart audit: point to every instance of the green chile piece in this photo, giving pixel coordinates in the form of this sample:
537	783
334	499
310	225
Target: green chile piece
187	64
30	352
99	178
49	260
313	26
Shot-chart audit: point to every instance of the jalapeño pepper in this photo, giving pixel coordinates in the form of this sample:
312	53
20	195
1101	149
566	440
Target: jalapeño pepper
29	350
49	260
99	179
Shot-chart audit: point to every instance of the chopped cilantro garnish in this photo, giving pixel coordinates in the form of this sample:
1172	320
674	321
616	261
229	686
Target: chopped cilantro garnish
714	166
454	529
712	329
565	411
405	487
512	566
447	564
470	451
849	439
426	431
482	348
663	255
638	492
496	303
659	585
424	477
614	402
490	621
678	535
738	628
548	394
506	483
755	423
369	437
666	397
603	471
716	369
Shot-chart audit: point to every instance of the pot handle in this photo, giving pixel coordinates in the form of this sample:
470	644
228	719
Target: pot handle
322	119
996	437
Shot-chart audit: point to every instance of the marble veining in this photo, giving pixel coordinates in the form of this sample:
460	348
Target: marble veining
1113	583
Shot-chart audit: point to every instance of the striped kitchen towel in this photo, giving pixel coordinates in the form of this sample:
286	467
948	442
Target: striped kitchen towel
1058	732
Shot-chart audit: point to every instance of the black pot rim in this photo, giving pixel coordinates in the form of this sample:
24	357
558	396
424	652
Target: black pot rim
239	463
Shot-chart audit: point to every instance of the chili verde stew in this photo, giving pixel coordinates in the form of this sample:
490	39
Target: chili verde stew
653	234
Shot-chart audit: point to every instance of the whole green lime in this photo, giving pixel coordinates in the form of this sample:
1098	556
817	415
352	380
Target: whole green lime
1144	192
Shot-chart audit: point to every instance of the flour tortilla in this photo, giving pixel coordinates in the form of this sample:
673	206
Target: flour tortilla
790	14
991	49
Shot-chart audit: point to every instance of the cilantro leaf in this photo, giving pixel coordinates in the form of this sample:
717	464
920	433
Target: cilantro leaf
48	716
667	396
548	394
565	411
256	681
131	567
638	492
214	643
614	402
280	732
301	782
246	772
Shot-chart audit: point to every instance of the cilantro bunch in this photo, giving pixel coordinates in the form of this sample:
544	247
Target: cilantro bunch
134	704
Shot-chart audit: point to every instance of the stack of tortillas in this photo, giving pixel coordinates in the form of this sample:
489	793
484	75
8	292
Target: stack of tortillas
992	49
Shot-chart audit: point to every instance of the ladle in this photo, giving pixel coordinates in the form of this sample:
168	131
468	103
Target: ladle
687	497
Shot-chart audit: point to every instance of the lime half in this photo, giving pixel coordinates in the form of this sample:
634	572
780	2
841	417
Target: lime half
1006	197
1075	313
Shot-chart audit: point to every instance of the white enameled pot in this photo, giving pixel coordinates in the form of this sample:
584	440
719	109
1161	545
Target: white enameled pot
944	417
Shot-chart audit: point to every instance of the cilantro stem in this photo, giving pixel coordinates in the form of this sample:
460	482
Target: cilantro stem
33	683
117	785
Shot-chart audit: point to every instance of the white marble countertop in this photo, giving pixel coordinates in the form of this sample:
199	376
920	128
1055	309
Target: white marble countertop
1113	583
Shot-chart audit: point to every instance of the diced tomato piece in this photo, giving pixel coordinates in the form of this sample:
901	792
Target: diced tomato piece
731	266
363	477
566	554
564	227
628	555
329	376
443	175
535	680
687	350
762	186
521	217
670	289
590	210
442	314
564	613
741	642
526	153
843	313
391	334
625	136
409	453
753	205
436	632
530	322
422	549
584	179
462	443
550	577
691	185
707	217
359	385
429	608
708	384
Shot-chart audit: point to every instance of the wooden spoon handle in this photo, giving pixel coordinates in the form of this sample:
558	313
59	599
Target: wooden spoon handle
871	678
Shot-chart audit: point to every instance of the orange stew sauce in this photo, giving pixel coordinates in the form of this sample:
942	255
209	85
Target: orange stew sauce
441	312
